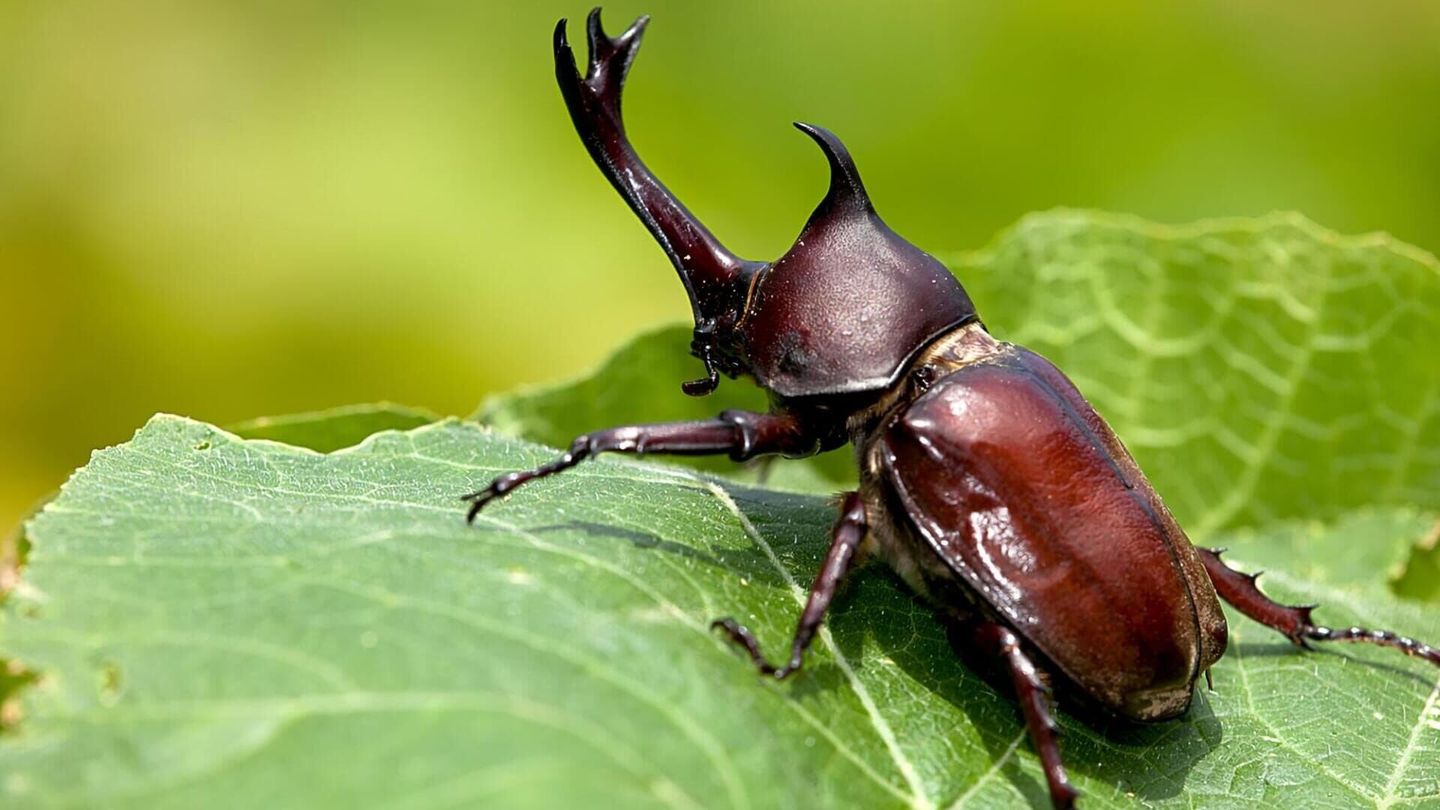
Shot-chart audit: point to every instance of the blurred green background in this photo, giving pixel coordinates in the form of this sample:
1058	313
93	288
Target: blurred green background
225	209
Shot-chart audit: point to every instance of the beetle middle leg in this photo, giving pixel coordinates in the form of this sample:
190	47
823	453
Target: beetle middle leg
845	542
1294	621
741	434
999	642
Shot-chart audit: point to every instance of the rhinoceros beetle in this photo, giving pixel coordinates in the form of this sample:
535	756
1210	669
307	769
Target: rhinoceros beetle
987	481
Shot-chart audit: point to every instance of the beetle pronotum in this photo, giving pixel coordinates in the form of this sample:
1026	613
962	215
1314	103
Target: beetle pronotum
987	481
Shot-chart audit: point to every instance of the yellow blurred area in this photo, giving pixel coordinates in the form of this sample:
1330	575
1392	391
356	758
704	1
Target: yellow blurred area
230	209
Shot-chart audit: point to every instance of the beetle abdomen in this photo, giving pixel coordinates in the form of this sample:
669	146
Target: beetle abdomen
1013	479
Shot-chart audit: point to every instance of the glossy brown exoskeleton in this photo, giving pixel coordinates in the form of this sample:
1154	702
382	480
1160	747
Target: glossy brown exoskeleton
986	480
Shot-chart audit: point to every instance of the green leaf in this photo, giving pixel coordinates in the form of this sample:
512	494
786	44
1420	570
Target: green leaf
334	428
220	621
1258	369
224	621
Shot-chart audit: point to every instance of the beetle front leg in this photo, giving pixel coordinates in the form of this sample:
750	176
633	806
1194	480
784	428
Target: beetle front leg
845	542
741	434
1000	642
1294	620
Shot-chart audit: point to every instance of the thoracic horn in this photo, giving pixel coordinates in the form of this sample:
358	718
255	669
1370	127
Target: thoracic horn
847	194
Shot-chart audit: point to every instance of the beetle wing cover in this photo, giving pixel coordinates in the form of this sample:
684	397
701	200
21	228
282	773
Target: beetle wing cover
1014	480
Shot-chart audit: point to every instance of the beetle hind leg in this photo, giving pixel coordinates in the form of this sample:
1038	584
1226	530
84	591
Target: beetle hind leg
999	642
1294	621
846	539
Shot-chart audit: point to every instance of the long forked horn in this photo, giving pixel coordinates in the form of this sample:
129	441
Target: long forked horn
709	271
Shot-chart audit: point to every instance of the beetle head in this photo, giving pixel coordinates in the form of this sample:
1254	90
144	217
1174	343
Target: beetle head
841	313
